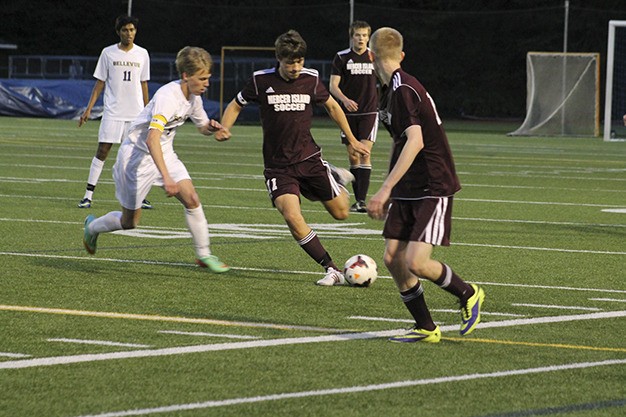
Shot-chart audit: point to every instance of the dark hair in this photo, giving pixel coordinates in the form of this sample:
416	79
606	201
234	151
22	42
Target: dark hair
359	24
290	45
123	20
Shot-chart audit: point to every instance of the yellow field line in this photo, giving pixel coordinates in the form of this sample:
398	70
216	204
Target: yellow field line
128	316
533	344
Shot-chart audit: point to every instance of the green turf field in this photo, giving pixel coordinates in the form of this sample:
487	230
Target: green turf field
138	330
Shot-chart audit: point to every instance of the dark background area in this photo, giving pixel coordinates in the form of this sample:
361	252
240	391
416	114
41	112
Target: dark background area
471	55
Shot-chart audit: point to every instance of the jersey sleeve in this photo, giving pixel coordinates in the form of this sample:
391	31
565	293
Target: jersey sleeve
101	73
145	68
163	110
249	93
336	66
321	92
198	115
406	108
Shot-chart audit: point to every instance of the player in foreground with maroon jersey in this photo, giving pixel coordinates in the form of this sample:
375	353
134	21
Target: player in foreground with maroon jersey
416	197
293	161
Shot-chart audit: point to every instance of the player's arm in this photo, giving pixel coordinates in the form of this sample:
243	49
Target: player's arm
153	142
213	126
232	112
335	113
334	89
98	88
378	204
145	93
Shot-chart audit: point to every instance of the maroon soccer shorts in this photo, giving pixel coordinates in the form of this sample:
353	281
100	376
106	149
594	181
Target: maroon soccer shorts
363	126
426	220
310	178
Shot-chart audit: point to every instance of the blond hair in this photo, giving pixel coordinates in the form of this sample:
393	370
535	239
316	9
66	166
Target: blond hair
192	59
387	43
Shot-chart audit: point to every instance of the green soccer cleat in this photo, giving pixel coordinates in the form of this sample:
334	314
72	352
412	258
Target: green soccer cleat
146	205
90	240
418	335
84	203
470	312
212	263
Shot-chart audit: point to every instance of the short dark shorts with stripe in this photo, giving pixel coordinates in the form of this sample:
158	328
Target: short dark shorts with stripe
310	178
425	220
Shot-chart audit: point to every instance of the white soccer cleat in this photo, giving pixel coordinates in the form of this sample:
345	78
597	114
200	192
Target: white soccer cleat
341	175
332	277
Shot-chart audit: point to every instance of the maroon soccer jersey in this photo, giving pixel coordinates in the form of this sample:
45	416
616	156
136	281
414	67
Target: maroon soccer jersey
286	109
406	103
358	80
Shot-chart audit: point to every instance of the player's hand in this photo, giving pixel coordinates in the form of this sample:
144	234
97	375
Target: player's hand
359	149
83	118
222	135
378	205
170	186
351	105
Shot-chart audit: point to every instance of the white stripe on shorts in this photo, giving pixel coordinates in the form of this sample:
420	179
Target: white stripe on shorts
435	229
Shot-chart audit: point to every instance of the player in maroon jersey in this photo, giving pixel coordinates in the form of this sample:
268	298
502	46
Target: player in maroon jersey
353	84
416	197
293	161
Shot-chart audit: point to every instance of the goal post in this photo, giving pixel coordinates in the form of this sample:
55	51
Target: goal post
247	69
615	96
563	95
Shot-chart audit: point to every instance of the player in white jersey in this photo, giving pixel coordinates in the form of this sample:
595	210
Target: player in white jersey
122	72
147	157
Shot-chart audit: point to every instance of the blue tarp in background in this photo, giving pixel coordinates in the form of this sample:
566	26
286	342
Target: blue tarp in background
61	99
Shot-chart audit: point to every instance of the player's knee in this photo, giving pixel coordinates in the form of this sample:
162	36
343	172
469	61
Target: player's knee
340	214
419	268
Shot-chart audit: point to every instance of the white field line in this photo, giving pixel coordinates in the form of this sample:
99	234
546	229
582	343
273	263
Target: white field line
358	389
556	307
204	334
612	300
14	355
284	271
148	353
501	284
391	320
262	189
98	342
471	219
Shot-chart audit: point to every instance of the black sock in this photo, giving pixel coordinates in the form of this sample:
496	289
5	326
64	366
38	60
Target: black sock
414	301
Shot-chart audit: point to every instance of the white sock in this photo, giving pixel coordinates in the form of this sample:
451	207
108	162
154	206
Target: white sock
199	228
94	175
110	222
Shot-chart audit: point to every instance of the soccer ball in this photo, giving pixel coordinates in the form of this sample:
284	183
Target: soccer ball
360	271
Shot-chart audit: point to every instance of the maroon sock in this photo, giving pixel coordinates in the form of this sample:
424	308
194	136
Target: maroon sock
452	283
313	247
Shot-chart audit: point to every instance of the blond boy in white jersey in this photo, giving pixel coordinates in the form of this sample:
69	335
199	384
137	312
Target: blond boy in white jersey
122	72
147	157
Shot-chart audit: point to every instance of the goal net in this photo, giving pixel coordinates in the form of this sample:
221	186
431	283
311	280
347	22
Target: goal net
563	95
615	90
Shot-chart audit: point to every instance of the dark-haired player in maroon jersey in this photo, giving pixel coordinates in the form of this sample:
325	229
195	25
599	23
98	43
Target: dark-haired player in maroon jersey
416	197
353	84
293	161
